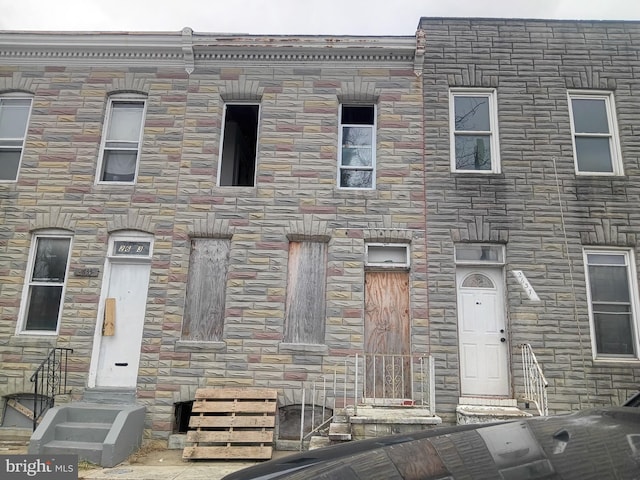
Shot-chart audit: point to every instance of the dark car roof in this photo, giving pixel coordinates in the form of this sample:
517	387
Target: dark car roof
599	443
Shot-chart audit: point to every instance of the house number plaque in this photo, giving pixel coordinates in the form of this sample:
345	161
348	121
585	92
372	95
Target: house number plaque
526	286
123	247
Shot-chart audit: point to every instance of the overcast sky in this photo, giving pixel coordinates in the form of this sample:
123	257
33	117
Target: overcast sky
333	17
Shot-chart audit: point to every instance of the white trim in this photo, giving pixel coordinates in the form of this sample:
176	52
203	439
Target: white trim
494	142
612	122
24	301
633	299
120	98
374	128
221	146
19	96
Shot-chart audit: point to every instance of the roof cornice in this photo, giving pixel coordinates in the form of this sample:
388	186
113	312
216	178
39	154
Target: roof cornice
190	50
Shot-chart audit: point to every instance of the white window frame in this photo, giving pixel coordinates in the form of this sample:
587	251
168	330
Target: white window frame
494	143
28	282
369	262
222	137
614	138
6	143
633	298
373	127
120	98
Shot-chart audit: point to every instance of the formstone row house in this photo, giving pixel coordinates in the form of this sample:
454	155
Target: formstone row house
190	210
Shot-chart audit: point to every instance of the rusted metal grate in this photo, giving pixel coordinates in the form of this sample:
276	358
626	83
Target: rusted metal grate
232	423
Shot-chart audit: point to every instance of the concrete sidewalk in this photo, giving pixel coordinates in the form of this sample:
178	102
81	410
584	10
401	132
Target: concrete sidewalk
169	465
188	471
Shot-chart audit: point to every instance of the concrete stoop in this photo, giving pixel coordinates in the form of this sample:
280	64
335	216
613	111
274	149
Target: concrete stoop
103	434
471	410
372	422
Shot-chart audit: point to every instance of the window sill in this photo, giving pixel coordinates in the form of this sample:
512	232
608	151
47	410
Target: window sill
200	346
319	349
616	361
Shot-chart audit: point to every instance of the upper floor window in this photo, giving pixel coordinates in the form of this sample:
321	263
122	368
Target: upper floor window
357	155
14	118
43	292
596	147
239	146
611	291
121	140
474	131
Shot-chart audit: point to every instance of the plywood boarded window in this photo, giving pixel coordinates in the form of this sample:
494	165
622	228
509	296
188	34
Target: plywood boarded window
306	286
204	308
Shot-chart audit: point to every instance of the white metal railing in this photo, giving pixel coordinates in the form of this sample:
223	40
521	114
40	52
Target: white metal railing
382	380
535	385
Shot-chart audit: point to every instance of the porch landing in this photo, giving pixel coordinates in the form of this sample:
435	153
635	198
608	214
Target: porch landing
371	422
487	410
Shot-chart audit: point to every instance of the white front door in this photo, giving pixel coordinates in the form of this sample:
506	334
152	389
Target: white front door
482	332
119	354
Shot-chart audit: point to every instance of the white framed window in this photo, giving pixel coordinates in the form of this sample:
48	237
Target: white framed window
387	255
596	145
121	140
43	292
613	303
239	147
15	110
473	117
357	152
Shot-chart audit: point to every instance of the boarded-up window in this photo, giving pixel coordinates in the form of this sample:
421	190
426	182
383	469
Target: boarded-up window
305	307
204	308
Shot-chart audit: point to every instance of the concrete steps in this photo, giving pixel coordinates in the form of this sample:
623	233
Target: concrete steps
487	410
103	434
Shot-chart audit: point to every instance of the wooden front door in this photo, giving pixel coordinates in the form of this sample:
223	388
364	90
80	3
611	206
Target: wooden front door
387	336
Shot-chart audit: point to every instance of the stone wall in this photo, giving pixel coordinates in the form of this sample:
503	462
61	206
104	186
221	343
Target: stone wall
176	197
531	64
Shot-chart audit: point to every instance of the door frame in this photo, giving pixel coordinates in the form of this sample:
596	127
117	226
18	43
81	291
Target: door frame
110	259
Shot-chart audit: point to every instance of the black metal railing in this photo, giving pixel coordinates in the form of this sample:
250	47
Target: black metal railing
49	380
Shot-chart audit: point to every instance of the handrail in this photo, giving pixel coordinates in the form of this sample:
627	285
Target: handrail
388	380
49	380
535	383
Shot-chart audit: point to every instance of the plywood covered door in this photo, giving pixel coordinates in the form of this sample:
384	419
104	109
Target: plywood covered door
387	335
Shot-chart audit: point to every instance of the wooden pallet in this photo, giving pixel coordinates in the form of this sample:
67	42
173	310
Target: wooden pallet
232	423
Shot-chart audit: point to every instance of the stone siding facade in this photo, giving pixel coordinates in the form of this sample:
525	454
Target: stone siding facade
176	198
532	64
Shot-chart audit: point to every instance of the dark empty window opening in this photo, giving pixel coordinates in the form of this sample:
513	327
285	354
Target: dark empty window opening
182	414
238	164
358	114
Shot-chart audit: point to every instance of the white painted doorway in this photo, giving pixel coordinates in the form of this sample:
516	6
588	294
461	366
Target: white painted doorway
116	354
484	364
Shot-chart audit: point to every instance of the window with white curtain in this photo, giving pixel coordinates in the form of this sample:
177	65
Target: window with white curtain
122	138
